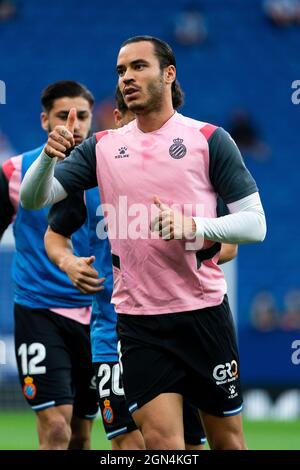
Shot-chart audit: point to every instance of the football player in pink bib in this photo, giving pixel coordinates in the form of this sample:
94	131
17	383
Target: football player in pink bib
159	178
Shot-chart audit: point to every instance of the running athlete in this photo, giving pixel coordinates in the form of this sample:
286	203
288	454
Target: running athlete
65	220
117	421
51	317
174	321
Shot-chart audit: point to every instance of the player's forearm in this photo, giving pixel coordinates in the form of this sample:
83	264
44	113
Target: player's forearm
228	252
39	187
245	224
59	248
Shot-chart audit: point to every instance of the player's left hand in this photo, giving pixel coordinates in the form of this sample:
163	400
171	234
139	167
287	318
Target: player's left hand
82	274
172	224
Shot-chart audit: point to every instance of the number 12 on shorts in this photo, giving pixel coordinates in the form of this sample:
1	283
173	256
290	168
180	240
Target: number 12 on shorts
30	365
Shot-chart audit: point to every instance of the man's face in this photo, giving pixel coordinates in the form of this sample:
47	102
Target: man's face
58	115
141	80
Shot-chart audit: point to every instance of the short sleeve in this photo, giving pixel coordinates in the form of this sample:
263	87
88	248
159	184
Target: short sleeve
228	173
68	215
78	171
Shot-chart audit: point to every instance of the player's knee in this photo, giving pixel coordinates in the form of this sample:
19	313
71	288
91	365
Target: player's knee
81	434
156	439
80	442
128	441
229	442
59	433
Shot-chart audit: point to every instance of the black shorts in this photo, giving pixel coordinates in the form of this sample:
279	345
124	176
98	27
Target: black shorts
54	361
114	409
191	353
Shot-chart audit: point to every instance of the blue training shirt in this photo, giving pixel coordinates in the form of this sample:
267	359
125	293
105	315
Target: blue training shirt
65	218
39	283
104	318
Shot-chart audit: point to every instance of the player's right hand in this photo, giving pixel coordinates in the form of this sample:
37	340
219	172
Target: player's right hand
61	139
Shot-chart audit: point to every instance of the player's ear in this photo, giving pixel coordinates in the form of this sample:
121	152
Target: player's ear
45	121
170	74
117	117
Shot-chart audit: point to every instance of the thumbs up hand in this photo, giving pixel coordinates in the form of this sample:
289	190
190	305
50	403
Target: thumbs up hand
61	139
172	224
70	124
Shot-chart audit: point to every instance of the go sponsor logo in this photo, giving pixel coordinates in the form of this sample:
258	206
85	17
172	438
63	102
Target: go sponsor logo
227	372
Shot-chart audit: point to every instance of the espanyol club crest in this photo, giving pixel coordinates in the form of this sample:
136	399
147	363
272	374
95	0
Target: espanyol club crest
177	149
29	388
107	413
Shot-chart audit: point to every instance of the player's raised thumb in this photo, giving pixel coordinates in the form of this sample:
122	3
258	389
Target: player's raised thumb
160	204
70	125
90	260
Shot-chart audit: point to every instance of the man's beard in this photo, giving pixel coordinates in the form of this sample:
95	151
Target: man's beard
155	91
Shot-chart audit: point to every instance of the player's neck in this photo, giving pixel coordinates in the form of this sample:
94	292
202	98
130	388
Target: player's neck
154	120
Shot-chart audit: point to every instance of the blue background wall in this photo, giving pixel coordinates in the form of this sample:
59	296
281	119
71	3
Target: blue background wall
245	63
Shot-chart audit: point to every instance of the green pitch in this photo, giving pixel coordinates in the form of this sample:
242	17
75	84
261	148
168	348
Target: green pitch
17	431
